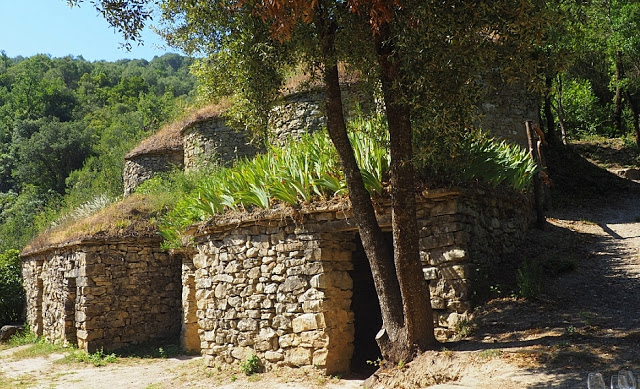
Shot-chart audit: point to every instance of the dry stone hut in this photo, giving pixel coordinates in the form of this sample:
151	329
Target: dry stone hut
296	289
158	153
505	108
100	285
211	140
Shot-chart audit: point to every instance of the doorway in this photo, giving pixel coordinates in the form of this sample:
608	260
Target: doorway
367	317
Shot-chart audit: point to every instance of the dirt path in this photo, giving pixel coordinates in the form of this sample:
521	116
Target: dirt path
52	371
585	319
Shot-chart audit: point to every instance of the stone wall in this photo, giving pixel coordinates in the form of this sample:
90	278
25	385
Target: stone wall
283	288
103	294
212	141
297	114
504	110
141	167
304	112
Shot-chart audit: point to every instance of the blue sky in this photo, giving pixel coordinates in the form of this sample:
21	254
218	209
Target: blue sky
29	27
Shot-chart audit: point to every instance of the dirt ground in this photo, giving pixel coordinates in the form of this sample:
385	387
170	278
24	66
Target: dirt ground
586	317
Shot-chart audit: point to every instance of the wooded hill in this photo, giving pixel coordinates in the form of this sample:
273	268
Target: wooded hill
65	126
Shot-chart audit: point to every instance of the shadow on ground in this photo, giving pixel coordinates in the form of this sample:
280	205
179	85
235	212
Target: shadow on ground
586	316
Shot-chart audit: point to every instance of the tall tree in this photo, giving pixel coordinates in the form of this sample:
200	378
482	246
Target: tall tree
611	28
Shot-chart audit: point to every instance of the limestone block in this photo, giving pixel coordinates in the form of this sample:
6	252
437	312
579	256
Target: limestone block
336	279
444	208
271	288
430	273
310	306
241	353
232	267
273	356
253	273
455	272
288	340
307	322
293	283
438	302
299	356
459	306
281	322
311	294
247	324
320	357
454	255
437	241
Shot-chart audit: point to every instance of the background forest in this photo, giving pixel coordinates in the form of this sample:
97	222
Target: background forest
65	126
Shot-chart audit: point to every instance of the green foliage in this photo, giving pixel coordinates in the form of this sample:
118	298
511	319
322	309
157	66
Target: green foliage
490	354
12	296
37	347
584	113
251	365
498	162
19	218
97	359
27	337
48	150
298	173
529	279
65	127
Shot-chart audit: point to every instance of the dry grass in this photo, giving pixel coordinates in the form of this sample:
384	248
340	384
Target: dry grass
304	80
169	137
133	217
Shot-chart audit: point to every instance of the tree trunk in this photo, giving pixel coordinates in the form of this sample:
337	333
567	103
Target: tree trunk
548	113
416	301
635	110
375	245
560	111
617	102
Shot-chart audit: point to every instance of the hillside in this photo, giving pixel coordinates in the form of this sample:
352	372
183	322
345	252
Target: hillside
65	126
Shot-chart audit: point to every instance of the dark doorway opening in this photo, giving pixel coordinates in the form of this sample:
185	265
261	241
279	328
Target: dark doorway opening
70	331
367	317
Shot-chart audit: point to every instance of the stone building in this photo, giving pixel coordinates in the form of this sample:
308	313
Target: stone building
159	153
211	140
296	290
104	293
504	110
293	288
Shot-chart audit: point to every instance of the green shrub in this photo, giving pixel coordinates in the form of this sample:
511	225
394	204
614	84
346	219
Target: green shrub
584	114
97	359
12	297
302	171
251	365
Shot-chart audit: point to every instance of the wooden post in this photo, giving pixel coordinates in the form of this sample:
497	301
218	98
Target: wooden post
541	220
